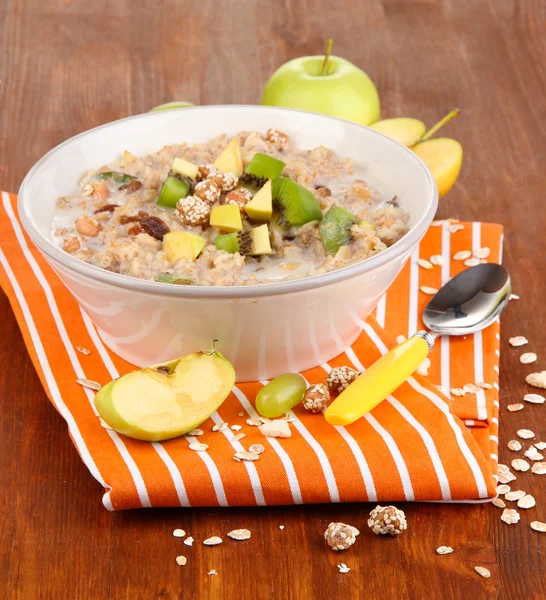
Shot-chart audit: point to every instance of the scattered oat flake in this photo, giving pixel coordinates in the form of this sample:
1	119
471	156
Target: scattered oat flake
239	436
503	489
437	223
457	392
537	379
507	478
534	398
195	432
519	340
246	456
533	454
538	526
472	262
281	526
540	445
483	572
188	541
482	252
437	259
220	427
514	445
527	358
179	533
428	290
212	572
455	228
525	434
424	263
239	534
462	255
236	427
471	388
498	503
241	414
510	516
181	561
515	495
277	429
198	447
343	568
539	468
87	383
256	449
253	422
515	407
483	385
83	350
212	541
513	297
444	550
527	502
518	464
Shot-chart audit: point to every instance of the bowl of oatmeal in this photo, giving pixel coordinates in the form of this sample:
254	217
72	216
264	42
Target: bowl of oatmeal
274	231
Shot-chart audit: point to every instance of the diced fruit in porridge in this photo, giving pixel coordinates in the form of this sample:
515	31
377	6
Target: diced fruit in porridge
230	161
265	166
280	395
260	208
261	244
115	176
404	130
226	218
128	157
363	224
174	278
184	167
174	188
335	229
180	245
166	401
296	204
444	157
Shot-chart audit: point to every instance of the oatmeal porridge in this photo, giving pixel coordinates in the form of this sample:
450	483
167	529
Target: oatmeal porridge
250	210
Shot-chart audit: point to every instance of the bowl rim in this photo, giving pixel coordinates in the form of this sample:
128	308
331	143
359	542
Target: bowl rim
75	265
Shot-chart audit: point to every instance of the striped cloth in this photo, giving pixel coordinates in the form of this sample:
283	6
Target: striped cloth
417	445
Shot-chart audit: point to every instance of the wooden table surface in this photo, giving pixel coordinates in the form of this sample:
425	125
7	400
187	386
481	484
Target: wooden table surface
67	66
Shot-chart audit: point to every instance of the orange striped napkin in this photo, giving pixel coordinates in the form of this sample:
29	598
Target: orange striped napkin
417	445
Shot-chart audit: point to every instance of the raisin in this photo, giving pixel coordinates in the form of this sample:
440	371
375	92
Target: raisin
155	227
132	186
135	229
107	208
124	219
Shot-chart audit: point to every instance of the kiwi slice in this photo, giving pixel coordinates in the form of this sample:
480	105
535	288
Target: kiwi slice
238	241
261	168
296	204
175	187
335	229
115	176
174	278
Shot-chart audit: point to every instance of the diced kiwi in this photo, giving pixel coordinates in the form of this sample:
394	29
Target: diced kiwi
115	176
263	165
238	241
174	278
296	204
175	187
335	229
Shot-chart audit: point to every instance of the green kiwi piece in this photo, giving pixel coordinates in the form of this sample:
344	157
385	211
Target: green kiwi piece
335	229
296	204
115	176
174	188
265	166
174	278
238	241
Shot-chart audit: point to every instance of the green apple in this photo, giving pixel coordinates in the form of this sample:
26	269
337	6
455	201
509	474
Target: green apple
171	105
166	401
325	84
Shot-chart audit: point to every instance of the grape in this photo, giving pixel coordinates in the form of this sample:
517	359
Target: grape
280	395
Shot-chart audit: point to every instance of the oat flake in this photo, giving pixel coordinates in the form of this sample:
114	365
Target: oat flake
87	383
510	516
236	427
462	255
540	445
424	263
239	534
220	427
518	464
482	252
195	432
253	422
503	489
484	386
519	340
239	436
539	468
455	228
538	526
534	398
472	262
181	561
498	503
428	290
256	449
83	350
526	502
188	541
212	541
513	496
537	379
514	407
278	428
525	434
437	259
444	550
533	454
528	358
343	568
514	445
485	573
246	456
198	447
457	392
179	533
470	388
212	572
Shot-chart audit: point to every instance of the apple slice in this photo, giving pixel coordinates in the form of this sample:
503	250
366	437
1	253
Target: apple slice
260	208
404	130
444	157
230	161
166	401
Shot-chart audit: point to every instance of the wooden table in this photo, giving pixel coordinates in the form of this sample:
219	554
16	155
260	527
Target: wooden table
69	66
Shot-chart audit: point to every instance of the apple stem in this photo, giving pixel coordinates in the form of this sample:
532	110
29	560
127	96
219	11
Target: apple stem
428	134
329	45
214	342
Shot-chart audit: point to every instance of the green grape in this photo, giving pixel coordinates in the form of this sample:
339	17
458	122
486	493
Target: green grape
280	395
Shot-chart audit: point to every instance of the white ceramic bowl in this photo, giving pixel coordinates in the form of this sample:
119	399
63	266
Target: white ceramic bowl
264	330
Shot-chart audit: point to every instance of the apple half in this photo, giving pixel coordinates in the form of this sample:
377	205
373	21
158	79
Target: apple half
166	401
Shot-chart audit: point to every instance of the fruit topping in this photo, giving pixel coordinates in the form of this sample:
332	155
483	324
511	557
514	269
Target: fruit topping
230	160
175	187
296	204
107	208
155	227
335	229
87	226
263	167
226	218
261	243
280	395
239	197
180	245
260	208
173	278
208	191
238	241
115	176
185	168
193	211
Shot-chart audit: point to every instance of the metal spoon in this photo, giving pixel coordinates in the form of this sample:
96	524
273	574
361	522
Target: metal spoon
470	302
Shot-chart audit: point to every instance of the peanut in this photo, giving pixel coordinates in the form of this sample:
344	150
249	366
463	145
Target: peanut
87	226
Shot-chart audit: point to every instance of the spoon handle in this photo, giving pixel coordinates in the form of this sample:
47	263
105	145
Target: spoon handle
381	379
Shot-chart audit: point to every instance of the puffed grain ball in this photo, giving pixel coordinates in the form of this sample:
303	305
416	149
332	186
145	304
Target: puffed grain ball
239	197
316	398
277	137
387	520
193	211
208	191
206	171
340	536
225	181
339	379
